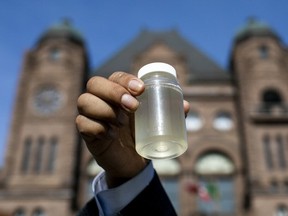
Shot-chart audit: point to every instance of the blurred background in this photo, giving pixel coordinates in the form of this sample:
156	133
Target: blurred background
231	58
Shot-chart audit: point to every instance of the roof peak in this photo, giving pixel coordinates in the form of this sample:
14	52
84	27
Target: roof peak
254	27
199	66
62	29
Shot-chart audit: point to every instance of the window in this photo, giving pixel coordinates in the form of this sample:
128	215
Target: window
214	164
285	186
264	52
270	99
281	152
38	212
52	154
221	196
19	212
169	167
54	54
39	155
193	121
26	154
223	121
215	171
282	210
274	186
93	168
267	152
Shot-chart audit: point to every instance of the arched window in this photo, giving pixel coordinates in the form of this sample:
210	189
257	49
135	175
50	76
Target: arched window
167	167
54	54
193	121
274	186
223	121
285	184
281	152
271	98
52	154
216	184
39	155
19	212
26	155
214	163
267	152
282	210
38	212
263	51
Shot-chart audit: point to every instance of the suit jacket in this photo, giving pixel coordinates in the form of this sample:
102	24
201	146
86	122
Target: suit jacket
152	201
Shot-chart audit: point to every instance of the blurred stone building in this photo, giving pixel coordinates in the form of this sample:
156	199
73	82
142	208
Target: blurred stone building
237	160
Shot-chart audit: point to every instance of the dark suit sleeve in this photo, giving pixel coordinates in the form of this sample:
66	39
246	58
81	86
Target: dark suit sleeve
90	209
153	200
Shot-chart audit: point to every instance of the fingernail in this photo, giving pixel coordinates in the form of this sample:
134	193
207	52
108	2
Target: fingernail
129	102
135	85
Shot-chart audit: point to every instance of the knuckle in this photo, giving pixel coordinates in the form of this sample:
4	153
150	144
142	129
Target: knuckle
116	76
89	128
83	98
82	101
117	92
78	121
91	83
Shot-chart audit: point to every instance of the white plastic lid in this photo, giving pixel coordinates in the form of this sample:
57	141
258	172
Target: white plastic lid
156	66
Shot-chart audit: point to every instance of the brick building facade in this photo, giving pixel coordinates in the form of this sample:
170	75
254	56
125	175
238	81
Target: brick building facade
237	127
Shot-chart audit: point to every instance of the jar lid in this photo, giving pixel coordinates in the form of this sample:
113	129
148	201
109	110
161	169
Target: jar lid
156	67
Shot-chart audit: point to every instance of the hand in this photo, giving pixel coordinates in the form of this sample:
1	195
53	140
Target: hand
106	124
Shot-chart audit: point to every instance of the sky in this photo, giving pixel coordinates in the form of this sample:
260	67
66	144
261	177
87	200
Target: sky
109	25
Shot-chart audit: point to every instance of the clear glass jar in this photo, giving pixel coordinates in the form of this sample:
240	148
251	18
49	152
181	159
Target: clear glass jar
160	129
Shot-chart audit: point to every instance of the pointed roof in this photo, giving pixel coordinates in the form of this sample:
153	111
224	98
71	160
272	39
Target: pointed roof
254	28
200	66
63	29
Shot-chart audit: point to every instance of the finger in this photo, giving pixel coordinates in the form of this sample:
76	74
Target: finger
130	82
112	92
90	129
186	105
95	108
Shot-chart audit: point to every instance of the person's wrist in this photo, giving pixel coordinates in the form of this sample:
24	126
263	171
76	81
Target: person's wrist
114	178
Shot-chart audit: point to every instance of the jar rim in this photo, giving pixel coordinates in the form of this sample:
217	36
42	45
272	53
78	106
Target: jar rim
156	66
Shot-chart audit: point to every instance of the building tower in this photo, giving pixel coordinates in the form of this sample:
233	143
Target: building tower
259	66
43	147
